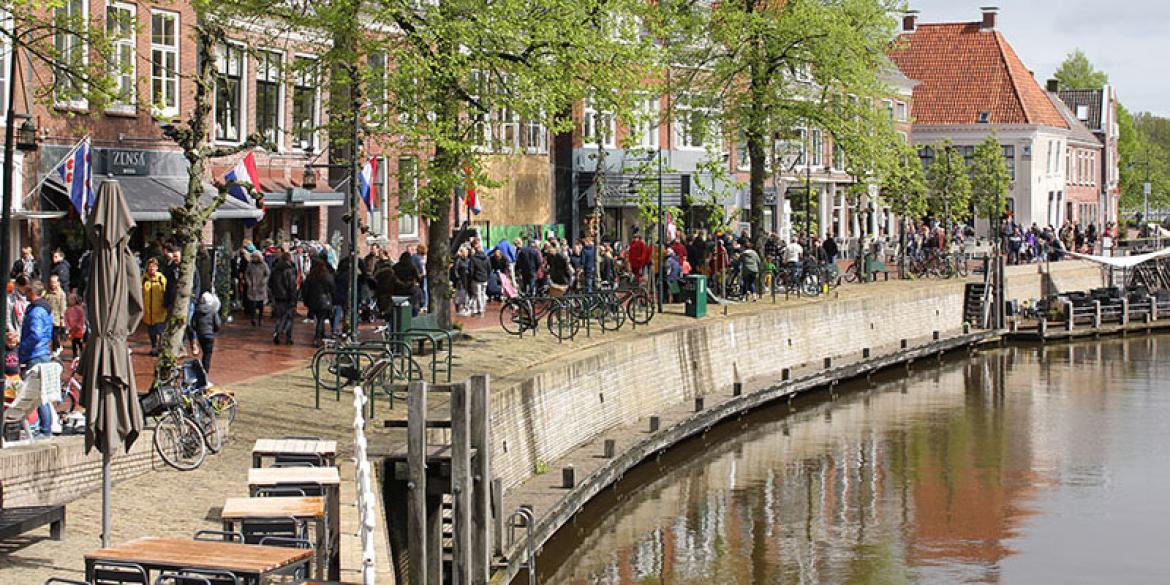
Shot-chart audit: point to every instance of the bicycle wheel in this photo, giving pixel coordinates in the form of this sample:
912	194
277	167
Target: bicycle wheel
639	308
810	285
561	322
612	314
851	272
213	431
179	442
514	316
224	405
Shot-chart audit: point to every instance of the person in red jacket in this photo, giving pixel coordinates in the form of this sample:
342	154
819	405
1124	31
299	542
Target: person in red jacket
638	256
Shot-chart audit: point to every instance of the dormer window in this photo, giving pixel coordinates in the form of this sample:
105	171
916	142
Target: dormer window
984	117
1083	113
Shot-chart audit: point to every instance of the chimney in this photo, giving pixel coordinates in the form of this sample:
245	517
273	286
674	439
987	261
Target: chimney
989	14
910	21
1053	85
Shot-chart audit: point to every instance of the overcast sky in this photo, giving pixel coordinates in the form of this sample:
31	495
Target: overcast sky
1125	38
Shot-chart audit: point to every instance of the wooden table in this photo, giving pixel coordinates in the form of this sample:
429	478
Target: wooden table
326	450
306	509
249	562
329	478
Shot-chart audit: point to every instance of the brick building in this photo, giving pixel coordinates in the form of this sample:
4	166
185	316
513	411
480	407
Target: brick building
972	85
1082	161
1097	110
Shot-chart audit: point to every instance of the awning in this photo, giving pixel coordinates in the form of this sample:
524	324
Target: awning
152	198
281	193
1123	261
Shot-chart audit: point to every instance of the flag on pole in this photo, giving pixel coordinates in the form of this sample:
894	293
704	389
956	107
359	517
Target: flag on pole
471	199
245	172
366	183
75	171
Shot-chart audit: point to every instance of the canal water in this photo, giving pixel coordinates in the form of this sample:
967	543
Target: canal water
1021	465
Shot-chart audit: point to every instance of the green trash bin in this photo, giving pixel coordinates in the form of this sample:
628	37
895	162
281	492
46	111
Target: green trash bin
694	288
401	315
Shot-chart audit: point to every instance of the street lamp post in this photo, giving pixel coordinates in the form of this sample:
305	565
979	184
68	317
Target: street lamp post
310	182
661	237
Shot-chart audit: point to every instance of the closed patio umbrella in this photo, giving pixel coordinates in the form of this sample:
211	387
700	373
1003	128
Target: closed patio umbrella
114	308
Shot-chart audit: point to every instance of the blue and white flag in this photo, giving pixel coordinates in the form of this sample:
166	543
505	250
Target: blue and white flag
366	183
75	171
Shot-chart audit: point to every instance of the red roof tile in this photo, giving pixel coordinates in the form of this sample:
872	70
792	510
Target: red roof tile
963	71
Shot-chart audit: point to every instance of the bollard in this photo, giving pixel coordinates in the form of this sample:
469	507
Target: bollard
610	448
568	478
966	328
655	422
1043	327
699	404
784	375
1014	326
737	389
1071	317
905	344
1096	314
865	353
1153	308
1124	311
828	362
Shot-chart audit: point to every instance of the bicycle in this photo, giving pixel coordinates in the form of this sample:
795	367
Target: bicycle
178	440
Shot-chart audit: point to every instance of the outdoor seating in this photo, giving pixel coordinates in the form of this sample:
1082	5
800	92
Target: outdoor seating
218	535
286	542
299	459
198	577
119	573
17	521
281	491
256	530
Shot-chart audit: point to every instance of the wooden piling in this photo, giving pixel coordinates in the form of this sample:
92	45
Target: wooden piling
610	449
481	519
498	515
655	422
416	461
461	488
737	389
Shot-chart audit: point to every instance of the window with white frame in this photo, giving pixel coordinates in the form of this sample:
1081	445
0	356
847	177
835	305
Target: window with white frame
304	114
229	92
376	87
1009	157
377	221
816	148
535	136
506	129
888	108
647	126
121	27
598	127
695	123
164	63
407	192
743	161
269	72
480	116
71	17
901	111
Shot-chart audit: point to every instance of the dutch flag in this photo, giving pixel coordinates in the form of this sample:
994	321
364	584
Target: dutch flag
244	172
366	182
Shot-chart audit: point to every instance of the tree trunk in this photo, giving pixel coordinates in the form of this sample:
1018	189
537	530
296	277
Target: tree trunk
754	133
438	259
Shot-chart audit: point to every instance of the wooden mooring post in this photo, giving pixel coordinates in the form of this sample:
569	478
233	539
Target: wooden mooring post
461	470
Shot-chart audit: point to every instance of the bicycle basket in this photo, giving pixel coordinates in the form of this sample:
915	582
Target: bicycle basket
158	400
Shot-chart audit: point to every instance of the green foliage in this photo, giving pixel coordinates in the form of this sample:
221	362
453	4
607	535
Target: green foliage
990	181
949	184
772	67
1144	149
903	186
1076	72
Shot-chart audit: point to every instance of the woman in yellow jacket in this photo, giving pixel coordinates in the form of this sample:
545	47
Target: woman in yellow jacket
154	287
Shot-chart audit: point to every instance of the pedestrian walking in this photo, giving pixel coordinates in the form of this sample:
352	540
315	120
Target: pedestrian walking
154	313
317	293
36	337
75	324
61	269
26	265
207	325
480	272
282	289
256	275
56	298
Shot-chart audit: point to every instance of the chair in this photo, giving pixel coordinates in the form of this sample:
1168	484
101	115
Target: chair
298	460
218	535
119	573
255	530
282	541
279	491
62	581
199	577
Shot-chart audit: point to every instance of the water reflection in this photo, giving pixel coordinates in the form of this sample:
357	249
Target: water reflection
1021	465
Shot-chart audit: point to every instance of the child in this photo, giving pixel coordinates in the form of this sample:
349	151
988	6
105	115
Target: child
207	324
55	296
75	324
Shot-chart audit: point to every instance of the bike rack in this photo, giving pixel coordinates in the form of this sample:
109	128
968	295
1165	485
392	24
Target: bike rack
524	518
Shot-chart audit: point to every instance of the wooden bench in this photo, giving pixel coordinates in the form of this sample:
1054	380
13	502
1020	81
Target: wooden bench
17	521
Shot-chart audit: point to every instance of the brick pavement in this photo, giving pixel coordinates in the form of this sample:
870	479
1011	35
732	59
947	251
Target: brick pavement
275	397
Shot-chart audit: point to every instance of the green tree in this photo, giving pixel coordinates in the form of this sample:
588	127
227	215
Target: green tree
772	66
1076	72
949	184
902	187
990	182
